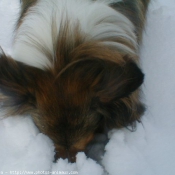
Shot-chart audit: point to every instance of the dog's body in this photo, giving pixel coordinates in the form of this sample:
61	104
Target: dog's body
75	68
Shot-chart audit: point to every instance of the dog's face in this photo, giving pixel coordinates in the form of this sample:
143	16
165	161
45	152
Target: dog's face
70	105
67	114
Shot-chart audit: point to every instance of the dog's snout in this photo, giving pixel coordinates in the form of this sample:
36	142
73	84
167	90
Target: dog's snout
69	154
71	158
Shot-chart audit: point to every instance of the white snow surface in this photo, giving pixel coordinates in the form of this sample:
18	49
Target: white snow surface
150	150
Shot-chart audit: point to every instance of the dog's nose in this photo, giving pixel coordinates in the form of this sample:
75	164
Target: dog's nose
66	154
71	157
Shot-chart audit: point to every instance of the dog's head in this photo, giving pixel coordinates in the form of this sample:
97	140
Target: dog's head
69	106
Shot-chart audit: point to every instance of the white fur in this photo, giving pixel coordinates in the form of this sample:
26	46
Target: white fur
96	19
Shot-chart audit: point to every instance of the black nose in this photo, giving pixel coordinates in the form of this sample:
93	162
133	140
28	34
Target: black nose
71	157
66	154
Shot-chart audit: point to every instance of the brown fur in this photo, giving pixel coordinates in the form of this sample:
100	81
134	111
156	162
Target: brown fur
90	85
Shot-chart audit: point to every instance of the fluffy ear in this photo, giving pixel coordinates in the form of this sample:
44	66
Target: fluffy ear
17	82
118	81
117	94
112	87
106	79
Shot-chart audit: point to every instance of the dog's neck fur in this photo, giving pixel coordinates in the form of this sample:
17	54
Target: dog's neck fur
94	21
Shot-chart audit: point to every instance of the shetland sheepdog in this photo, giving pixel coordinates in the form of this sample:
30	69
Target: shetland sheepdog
75	68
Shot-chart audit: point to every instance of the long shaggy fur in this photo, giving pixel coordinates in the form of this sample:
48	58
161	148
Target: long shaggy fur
75	68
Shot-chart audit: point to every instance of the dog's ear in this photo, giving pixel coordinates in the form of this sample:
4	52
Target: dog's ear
106	79
118	81
110	74
17	85
111	86
116	91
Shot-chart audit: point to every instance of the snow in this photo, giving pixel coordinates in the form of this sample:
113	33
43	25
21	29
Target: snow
148	151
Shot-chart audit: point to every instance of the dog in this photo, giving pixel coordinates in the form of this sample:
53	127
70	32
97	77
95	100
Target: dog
75	68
